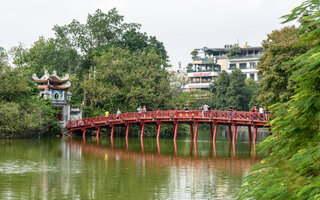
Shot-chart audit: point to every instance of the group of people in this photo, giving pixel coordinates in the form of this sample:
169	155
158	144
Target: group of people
204	109
139	109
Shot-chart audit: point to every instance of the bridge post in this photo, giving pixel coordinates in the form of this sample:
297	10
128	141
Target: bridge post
84	133
175	130
235	126
112	131
211	132
249	132
98	132
215	132
191	131
255	134
196	132
127	130
158	130
230	135
142	130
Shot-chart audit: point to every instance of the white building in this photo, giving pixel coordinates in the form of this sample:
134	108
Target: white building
202	73
209	62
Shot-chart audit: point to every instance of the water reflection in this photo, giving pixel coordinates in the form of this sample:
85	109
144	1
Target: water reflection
122	168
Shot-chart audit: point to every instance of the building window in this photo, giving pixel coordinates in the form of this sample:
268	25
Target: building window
252	65
243	65
232	66
252	76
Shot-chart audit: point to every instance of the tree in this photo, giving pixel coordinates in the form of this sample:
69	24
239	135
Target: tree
124	80
292	170
280	47
236	90
194	53
235	51
220	98
252	91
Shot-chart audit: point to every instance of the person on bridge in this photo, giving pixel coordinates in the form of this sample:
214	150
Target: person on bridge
144	110
231	111
186	108
205	109
106	114
139	111
118	114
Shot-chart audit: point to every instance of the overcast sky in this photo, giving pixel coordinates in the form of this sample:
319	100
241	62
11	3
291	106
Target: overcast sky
182	25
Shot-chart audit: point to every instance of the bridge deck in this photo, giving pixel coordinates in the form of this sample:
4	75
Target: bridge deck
235	118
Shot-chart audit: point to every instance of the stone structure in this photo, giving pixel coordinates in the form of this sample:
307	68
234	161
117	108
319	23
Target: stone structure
57	89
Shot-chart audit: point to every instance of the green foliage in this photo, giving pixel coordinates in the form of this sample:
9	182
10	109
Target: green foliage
194	53
235	51
233	89
236	90
21	115
220	98
280	47
194	99
252	90
124	80
292	170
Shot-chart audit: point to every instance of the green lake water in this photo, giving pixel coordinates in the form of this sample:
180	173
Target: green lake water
73	168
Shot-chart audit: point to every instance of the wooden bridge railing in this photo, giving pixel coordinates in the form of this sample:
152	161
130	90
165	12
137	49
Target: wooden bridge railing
172	114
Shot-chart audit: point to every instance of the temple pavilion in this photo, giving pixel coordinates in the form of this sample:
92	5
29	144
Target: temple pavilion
57	89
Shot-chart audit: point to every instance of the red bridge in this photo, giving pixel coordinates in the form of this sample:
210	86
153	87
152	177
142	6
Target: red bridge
193	117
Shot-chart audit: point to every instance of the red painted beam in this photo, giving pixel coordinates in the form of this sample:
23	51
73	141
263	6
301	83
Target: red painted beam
215	132
230	135
175	130
196	132
112	131
234	133
127	130
142	130
249	132
191	131
255	134
211	132
159	129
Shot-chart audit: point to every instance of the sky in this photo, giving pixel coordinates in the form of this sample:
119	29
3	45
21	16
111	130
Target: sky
182	25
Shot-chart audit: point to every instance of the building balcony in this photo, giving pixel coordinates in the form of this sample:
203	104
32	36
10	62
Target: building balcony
203	73
197	86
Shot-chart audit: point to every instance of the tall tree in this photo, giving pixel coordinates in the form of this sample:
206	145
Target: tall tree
292	170
220	98
280	47
236	90
124	80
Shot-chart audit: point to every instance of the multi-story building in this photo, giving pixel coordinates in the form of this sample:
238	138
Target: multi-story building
209	62
202	72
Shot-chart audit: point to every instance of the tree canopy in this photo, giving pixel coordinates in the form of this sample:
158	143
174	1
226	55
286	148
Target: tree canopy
292	170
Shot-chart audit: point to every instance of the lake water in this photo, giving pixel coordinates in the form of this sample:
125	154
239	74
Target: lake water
73	168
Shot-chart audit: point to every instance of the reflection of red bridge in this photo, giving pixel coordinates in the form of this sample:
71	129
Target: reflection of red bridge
231	163
214	118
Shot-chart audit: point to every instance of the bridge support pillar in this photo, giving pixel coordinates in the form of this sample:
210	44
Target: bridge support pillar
215	132
158	130
175	130
230	134
112	131
84	133
211	132
196	132
98	132
255	134
142	130
249	132
234	133
191	131
127	130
